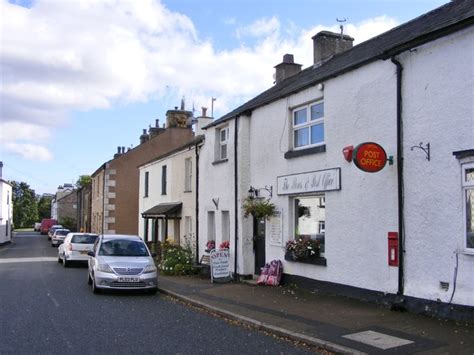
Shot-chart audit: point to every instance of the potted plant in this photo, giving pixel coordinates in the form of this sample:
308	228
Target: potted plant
302	249
224	245
210	245
258	208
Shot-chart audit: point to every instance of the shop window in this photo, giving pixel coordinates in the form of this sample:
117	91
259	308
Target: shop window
468	192
308	126
310	219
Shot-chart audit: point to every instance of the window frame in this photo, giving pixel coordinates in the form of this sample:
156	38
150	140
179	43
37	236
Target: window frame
466	186
146	183
164	179
222	142
307	124
188	175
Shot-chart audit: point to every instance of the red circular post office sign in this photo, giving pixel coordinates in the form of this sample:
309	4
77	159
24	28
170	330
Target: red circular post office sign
369	157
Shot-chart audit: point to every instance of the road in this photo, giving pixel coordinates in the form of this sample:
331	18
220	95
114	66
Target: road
46	308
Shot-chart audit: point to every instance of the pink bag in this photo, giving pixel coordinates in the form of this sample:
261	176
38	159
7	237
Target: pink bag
274	273
262	278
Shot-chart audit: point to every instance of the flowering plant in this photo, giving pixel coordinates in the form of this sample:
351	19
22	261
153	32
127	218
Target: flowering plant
303	247
224	245
210	245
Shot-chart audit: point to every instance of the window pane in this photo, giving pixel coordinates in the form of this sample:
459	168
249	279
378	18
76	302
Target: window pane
317	111
469	175
310	219
223	135
470	218
317	133
224	151
299	117
301	137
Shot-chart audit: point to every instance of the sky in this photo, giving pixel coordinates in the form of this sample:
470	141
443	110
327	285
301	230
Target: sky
80	77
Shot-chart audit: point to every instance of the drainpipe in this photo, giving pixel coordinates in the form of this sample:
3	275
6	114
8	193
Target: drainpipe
196	151
103	199
401	244
236	191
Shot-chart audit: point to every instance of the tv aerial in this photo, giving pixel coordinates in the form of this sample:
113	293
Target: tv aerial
341	26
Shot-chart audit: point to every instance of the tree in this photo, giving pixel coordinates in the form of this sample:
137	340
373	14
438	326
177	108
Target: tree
25	208
44	207
83	180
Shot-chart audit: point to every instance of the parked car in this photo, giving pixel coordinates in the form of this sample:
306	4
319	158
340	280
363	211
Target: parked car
58	236
121	262
52	229
46	224
37	227
75	247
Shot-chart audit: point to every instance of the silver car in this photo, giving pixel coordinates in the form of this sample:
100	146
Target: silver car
58	236
121	262
75	247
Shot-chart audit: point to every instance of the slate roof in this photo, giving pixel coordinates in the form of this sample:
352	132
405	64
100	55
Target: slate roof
430	26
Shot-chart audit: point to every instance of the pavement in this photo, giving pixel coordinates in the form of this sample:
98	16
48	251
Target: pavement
335	323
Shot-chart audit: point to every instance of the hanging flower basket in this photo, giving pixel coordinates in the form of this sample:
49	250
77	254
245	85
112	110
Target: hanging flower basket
258	208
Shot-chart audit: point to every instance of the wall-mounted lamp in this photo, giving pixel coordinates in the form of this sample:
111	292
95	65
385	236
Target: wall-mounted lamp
255	193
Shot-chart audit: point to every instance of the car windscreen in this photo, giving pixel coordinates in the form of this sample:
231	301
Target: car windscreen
62	232
123	247
83	238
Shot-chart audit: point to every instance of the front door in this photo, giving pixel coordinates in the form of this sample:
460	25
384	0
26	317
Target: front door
259	243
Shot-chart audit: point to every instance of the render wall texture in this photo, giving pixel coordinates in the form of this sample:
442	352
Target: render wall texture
438	108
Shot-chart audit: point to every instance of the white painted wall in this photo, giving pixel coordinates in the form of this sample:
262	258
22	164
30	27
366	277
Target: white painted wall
359	107
175	193
438	91
6	212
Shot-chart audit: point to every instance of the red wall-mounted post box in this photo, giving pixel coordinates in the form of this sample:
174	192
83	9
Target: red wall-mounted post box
393	248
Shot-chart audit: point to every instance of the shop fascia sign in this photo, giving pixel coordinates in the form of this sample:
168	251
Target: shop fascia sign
370	157
314	181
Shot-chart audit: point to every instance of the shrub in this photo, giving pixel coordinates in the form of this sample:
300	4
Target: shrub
175	259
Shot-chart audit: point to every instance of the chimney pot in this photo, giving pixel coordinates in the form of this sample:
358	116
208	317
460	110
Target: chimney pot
118	150
157	123
123	150
1	168
204	111
144	130
288	59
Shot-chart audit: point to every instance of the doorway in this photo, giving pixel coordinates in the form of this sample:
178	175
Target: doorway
259	243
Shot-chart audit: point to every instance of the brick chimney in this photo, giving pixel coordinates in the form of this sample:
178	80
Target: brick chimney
178	118
116	155
154	131
286	69
327	44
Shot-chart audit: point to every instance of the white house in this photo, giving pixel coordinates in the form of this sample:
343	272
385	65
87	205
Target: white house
405	230
6	210
167	194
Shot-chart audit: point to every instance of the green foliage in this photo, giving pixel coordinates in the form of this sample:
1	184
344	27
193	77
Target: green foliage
258	208
68	223
25	208
83	180
44	207
176	260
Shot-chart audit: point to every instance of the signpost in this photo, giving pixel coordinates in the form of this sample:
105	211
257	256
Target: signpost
369	157
220	265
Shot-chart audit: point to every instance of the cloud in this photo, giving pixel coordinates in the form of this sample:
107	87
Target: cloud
29	151
86	55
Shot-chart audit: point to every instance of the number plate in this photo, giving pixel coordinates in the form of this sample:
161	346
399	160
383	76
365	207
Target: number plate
128	279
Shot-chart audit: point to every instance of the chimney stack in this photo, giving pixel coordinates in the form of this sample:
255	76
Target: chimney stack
116	155
178	118
144	137
327	44
202	121
286	69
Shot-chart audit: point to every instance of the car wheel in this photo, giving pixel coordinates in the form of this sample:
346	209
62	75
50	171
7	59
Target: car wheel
95	290
65	262
89	280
